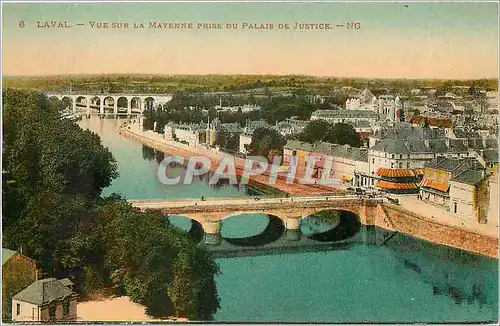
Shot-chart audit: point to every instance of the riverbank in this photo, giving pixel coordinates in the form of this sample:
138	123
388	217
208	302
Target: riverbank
117	309
156	141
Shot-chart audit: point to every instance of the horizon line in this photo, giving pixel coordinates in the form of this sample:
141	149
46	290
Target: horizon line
245	74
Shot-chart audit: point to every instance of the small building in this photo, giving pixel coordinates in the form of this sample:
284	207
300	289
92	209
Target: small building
18	271
45	300
435	185
468	196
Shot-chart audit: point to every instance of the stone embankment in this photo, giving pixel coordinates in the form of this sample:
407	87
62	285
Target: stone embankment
415	225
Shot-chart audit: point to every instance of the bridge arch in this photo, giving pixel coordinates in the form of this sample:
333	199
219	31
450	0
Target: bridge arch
81	101
135	104
95	100
149	103
348	225
122	103
268	232
67	102
194	229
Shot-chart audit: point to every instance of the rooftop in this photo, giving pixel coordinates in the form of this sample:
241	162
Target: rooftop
470	177
44	291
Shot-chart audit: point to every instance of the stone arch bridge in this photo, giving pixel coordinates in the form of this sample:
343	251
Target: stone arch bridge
117	103
209	213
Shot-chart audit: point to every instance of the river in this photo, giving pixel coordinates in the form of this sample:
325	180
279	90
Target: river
403	280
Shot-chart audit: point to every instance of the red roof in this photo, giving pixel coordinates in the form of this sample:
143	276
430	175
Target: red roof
395	173
434	185
396	185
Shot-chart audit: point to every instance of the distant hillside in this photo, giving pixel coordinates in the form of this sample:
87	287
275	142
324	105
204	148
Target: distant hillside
225	83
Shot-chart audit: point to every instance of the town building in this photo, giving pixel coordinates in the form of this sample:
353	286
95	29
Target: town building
18	271
468	196
435	185
46	300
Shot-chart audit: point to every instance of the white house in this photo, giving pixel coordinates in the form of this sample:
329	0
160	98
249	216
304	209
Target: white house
465	195
45	300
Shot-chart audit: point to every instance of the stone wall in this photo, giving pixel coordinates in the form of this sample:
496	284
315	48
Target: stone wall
409	223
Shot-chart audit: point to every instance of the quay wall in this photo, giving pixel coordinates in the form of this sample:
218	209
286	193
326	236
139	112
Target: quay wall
412	224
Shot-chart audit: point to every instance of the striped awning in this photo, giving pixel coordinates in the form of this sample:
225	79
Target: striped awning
395	173
396	185
434	185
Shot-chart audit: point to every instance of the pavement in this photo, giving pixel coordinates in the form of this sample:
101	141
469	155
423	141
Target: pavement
236	201
441	216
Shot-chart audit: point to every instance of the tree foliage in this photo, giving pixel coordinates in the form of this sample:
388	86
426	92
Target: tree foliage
265	140
53	176
339	133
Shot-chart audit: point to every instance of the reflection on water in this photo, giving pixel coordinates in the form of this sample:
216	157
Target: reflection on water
138	167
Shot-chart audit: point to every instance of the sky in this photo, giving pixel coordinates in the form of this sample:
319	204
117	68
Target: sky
453	40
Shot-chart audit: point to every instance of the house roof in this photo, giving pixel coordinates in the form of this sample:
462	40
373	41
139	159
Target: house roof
455	165
469	177
44	291
365	95
7	254
299	145
490	155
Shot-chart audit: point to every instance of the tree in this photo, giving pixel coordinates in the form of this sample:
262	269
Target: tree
227	140
315	131
339	133
53	209
264	140
342	134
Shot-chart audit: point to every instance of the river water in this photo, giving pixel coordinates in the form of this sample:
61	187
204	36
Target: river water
403	280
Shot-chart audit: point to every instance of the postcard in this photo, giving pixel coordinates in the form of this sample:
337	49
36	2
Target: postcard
250	162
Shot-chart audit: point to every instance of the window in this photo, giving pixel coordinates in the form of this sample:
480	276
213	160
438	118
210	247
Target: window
400	165
373	160
18	309
66	307
393	155
408	165
401	156
455	207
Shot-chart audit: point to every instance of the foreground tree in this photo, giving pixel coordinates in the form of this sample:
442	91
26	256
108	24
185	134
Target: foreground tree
54	173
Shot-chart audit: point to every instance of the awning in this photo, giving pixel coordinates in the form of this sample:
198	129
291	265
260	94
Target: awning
395	173
347	178
434	185
396	185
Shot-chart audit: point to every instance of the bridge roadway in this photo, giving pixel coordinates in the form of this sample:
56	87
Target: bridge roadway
210	212
242	202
